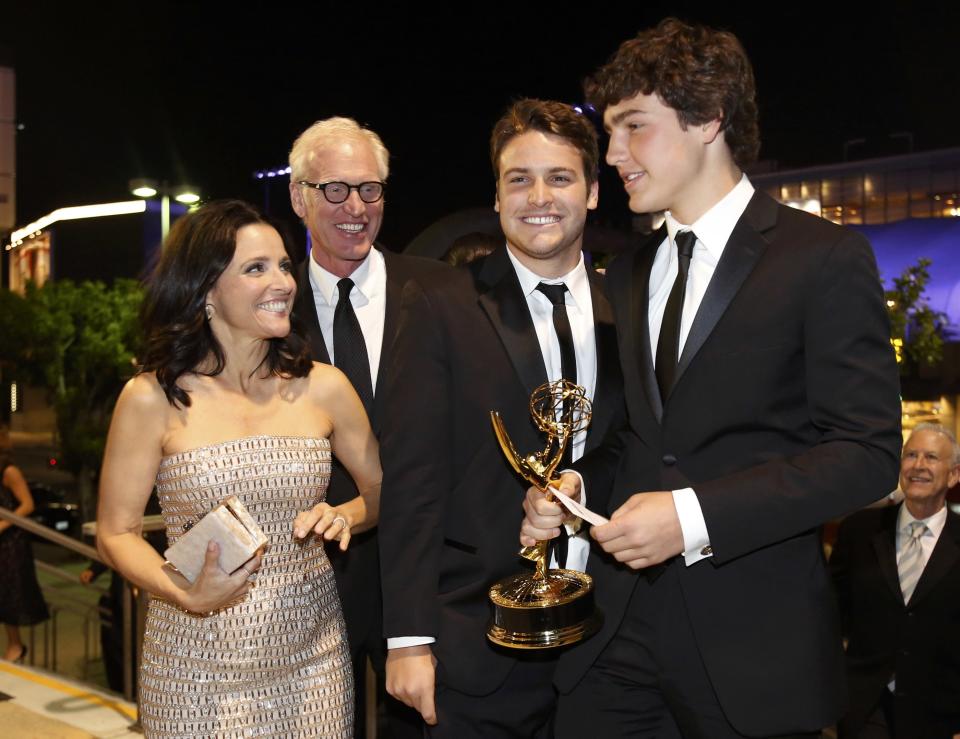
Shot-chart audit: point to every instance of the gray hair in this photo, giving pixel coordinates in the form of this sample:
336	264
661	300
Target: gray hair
943	431
323	133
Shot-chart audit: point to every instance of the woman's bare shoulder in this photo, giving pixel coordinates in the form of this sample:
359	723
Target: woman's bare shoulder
326	382
142	395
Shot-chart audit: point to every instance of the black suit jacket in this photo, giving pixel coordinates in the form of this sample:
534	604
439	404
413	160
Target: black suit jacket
784	413
357	570
450	508
919	642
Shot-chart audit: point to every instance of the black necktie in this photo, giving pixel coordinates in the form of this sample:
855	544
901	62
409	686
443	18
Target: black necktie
349	349
561	324
568	371
668	345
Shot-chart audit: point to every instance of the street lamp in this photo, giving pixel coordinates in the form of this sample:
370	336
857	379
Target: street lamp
147	188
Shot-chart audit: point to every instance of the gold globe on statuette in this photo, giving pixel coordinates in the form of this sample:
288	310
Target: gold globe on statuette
545	608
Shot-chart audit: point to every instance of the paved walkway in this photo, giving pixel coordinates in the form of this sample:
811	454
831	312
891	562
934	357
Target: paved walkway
37	703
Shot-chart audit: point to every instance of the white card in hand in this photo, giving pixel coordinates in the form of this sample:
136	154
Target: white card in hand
578	510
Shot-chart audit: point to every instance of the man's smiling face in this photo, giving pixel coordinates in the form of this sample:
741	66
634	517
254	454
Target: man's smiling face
543	197
927	469
660	162
341	233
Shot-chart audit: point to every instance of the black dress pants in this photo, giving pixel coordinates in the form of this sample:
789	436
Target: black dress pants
650	681
521	708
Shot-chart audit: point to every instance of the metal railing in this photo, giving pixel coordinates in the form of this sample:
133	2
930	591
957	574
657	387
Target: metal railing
132	633
131	646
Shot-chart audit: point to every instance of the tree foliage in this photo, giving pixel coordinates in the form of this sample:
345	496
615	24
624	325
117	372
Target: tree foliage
15	334
86	336
80	342
917	330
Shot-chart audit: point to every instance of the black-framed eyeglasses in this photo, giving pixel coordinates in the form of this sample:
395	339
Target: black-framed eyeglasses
338	192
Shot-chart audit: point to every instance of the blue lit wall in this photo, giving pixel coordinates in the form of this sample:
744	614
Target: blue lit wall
899	245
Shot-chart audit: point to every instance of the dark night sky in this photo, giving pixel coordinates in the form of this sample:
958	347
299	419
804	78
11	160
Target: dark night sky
209	93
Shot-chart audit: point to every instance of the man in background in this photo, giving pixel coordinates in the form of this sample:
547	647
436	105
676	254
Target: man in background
897	574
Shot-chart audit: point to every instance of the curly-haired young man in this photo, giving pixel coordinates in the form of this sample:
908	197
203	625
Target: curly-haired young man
762	397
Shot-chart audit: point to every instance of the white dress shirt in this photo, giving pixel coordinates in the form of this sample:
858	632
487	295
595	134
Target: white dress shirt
369	300
713	230
579	302
928	541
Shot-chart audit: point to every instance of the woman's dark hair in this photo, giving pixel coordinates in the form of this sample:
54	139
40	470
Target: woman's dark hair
178	336
700	72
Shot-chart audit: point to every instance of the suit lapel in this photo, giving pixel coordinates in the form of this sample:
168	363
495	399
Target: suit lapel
885	545
396	278
640	330
945	556
740	255
307	314
605	338
505	305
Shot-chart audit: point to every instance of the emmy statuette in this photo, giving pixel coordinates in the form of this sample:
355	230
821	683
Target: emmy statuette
548	608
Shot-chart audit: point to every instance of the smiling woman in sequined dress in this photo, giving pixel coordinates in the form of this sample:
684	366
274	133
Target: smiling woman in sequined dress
229	403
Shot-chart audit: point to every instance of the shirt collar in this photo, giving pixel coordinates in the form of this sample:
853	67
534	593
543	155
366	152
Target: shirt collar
714	227
366	278
935	523
578	286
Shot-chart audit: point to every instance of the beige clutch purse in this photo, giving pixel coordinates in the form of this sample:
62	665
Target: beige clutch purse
231	526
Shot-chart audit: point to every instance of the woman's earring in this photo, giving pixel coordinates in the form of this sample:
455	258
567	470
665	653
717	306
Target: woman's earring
209	309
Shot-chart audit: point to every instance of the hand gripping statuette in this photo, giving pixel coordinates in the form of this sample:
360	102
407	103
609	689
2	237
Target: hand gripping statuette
548	608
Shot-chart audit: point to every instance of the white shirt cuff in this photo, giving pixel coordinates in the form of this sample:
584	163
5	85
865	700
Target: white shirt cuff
399	642
696	540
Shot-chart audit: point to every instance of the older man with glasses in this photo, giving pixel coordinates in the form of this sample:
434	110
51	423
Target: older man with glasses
348	300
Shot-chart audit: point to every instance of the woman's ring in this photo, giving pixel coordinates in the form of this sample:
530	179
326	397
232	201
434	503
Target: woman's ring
342	521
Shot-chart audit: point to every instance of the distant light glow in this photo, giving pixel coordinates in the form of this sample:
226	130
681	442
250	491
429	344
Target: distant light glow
13	397
279	172
897	349
143	187
75	213
186	194
811	205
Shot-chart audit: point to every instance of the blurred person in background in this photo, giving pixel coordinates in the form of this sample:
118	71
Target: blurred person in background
21	602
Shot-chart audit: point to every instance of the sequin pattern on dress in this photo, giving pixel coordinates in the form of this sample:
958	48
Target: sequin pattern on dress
276	662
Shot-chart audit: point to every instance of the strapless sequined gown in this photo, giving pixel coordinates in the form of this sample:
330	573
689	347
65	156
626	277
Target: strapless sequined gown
276	663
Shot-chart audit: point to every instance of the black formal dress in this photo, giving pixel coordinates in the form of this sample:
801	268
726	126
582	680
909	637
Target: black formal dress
357	571
918	642
451	505
783	414
21	602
